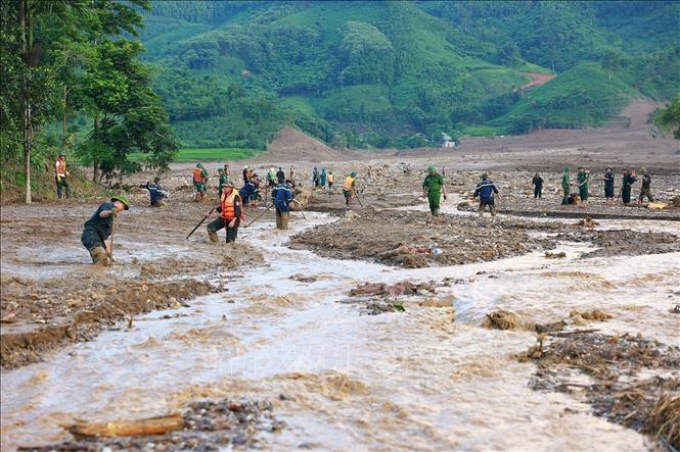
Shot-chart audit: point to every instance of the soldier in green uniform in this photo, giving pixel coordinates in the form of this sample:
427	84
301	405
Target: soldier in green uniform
223	180
433	187
566	185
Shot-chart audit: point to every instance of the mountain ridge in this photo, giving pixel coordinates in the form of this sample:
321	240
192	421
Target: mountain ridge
398	74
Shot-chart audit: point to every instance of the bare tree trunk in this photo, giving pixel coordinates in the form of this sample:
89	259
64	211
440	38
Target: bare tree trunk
23	13
95	163
27	150
63	119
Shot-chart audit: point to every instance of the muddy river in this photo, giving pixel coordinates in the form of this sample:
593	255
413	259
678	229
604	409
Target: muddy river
428	378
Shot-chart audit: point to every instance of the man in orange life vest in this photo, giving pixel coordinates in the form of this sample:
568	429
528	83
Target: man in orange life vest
200	178
230	215
61	175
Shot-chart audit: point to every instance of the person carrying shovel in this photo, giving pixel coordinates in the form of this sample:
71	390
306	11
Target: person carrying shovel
349	188
433	187
282	196
100	227
230	215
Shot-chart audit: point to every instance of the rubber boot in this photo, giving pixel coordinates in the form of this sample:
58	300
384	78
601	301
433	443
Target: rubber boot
99	256
285	216
435	212
213	236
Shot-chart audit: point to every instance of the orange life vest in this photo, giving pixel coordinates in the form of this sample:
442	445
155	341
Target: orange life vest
198	176
227	203
61	167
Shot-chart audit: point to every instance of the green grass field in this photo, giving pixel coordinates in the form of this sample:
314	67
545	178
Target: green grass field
215	154
211	154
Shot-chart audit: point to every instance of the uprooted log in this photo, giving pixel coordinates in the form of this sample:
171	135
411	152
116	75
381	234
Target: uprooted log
138	427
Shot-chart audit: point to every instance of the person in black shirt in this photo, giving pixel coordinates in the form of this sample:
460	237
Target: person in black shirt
537	182
609	185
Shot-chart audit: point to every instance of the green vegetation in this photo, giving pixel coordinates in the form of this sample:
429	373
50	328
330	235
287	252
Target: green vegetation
211	154
363	74
394	74
668	119
215	154
560	103
67	59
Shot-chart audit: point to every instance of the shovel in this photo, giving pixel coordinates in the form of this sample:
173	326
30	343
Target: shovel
260	215
110	252
301	211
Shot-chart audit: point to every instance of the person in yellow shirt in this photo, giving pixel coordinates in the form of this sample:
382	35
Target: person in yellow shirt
349	188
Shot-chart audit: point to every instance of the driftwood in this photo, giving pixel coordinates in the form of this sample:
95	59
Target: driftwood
139	427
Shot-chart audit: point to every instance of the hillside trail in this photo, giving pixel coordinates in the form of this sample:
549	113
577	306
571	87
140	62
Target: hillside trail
537	79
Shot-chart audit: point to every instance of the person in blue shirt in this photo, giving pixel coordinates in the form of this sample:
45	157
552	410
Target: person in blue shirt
486	190
250	190
282	196
156	193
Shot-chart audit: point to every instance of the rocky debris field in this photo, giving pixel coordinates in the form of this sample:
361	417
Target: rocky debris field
203	425
618	388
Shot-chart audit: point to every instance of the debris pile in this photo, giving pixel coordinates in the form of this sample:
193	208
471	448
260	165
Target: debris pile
400	288
616	364
204	425
664	420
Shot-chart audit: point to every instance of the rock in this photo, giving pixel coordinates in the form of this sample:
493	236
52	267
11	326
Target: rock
501	320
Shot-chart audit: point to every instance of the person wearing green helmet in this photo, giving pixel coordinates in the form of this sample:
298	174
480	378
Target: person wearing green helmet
433	187
200	179
566	185
349	188
224	179
99	227
646	189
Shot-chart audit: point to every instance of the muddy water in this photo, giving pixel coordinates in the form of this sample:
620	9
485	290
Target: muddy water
396	381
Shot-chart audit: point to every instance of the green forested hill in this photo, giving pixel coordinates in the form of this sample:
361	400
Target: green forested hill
388	73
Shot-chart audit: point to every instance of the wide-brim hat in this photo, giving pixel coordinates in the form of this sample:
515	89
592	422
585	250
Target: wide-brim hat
123	199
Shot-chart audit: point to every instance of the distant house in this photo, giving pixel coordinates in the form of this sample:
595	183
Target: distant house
448	142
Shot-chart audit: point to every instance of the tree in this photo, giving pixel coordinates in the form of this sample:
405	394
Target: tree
668	119
60	55
25	24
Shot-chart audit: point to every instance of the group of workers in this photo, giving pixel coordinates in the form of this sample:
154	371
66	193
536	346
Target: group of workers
99	227
434	189
583	179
